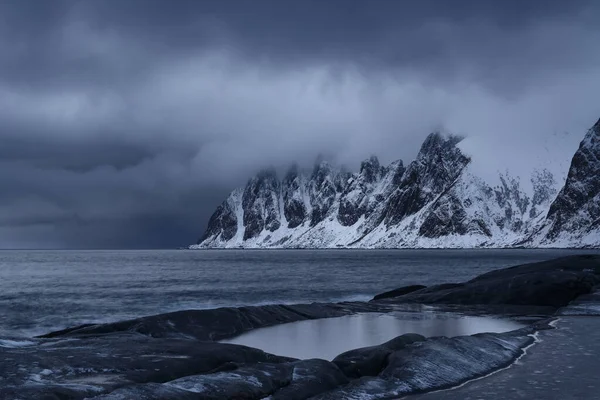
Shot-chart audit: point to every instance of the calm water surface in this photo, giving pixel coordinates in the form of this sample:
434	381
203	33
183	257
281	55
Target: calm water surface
327	338
47	290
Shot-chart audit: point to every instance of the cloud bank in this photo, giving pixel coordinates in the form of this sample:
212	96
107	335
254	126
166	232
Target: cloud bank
124	123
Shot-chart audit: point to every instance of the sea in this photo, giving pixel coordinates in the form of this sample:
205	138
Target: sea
43	291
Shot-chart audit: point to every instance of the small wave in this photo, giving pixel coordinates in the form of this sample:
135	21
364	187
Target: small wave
15	343
357	297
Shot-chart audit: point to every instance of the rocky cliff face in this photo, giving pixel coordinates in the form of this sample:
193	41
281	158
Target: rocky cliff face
574	217
296	202
440	199
224	221
356	199
438	165
260	203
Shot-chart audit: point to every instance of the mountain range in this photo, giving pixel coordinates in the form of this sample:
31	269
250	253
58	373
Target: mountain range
446	198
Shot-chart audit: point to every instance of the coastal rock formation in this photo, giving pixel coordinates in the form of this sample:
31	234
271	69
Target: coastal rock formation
88	367
219	323
285	381
434	364
370	361
446	197
130	366
177	356
552	283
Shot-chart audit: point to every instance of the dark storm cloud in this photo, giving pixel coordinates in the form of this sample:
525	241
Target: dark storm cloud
124	123
73	41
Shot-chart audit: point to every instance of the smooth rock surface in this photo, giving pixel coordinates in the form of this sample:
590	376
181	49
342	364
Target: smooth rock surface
435	364
563	365
76	368
219	323
370	361
551	283
296	380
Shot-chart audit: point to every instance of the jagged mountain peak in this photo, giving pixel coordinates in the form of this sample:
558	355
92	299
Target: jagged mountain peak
370	169
373	161
396	170
438	141
439	163
446	197
596	127
591	141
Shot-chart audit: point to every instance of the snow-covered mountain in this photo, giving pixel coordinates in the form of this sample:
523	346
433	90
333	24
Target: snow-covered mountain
574	217
448	197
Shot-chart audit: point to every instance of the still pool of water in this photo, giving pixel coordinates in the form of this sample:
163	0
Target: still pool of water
327	338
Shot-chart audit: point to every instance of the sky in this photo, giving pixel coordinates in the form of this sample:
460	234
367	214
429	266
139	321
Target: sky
124	123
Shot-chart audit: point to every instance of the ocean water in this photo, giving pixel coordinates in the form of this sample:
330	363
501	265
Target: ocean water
41	291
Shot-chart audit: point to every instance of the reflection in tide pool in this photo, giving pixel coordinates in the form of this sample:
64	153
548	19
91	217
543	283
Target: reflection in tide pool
327	338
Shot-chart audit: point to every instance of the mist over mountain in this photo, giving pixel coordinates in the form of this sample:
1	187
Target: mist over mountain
449	196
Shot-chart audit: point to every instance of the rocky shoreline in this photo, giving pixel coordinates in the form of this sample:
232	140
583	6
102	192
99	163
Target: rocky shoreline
178	356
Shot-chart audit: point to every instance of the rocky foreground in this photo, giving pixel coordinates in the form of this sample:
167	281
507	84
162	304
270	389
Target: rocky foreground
177	356
562	365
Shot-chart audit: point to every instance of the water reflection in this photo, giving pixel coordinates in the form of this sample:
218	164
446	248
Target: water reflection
326	338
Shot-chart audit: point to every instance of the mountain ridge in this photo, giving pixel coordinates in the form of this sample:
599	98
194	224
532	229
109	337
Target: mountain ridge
439	200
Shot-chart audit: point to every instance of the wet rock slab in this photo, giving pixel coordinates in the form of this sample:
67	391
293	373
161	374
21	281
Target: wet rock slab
563	365
133	366
76	368
293	380
217	324
552	283
434	364
586	305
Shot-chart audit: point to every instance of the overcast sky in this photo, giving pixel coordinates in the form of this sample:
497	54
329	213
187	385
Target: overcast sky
124	123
